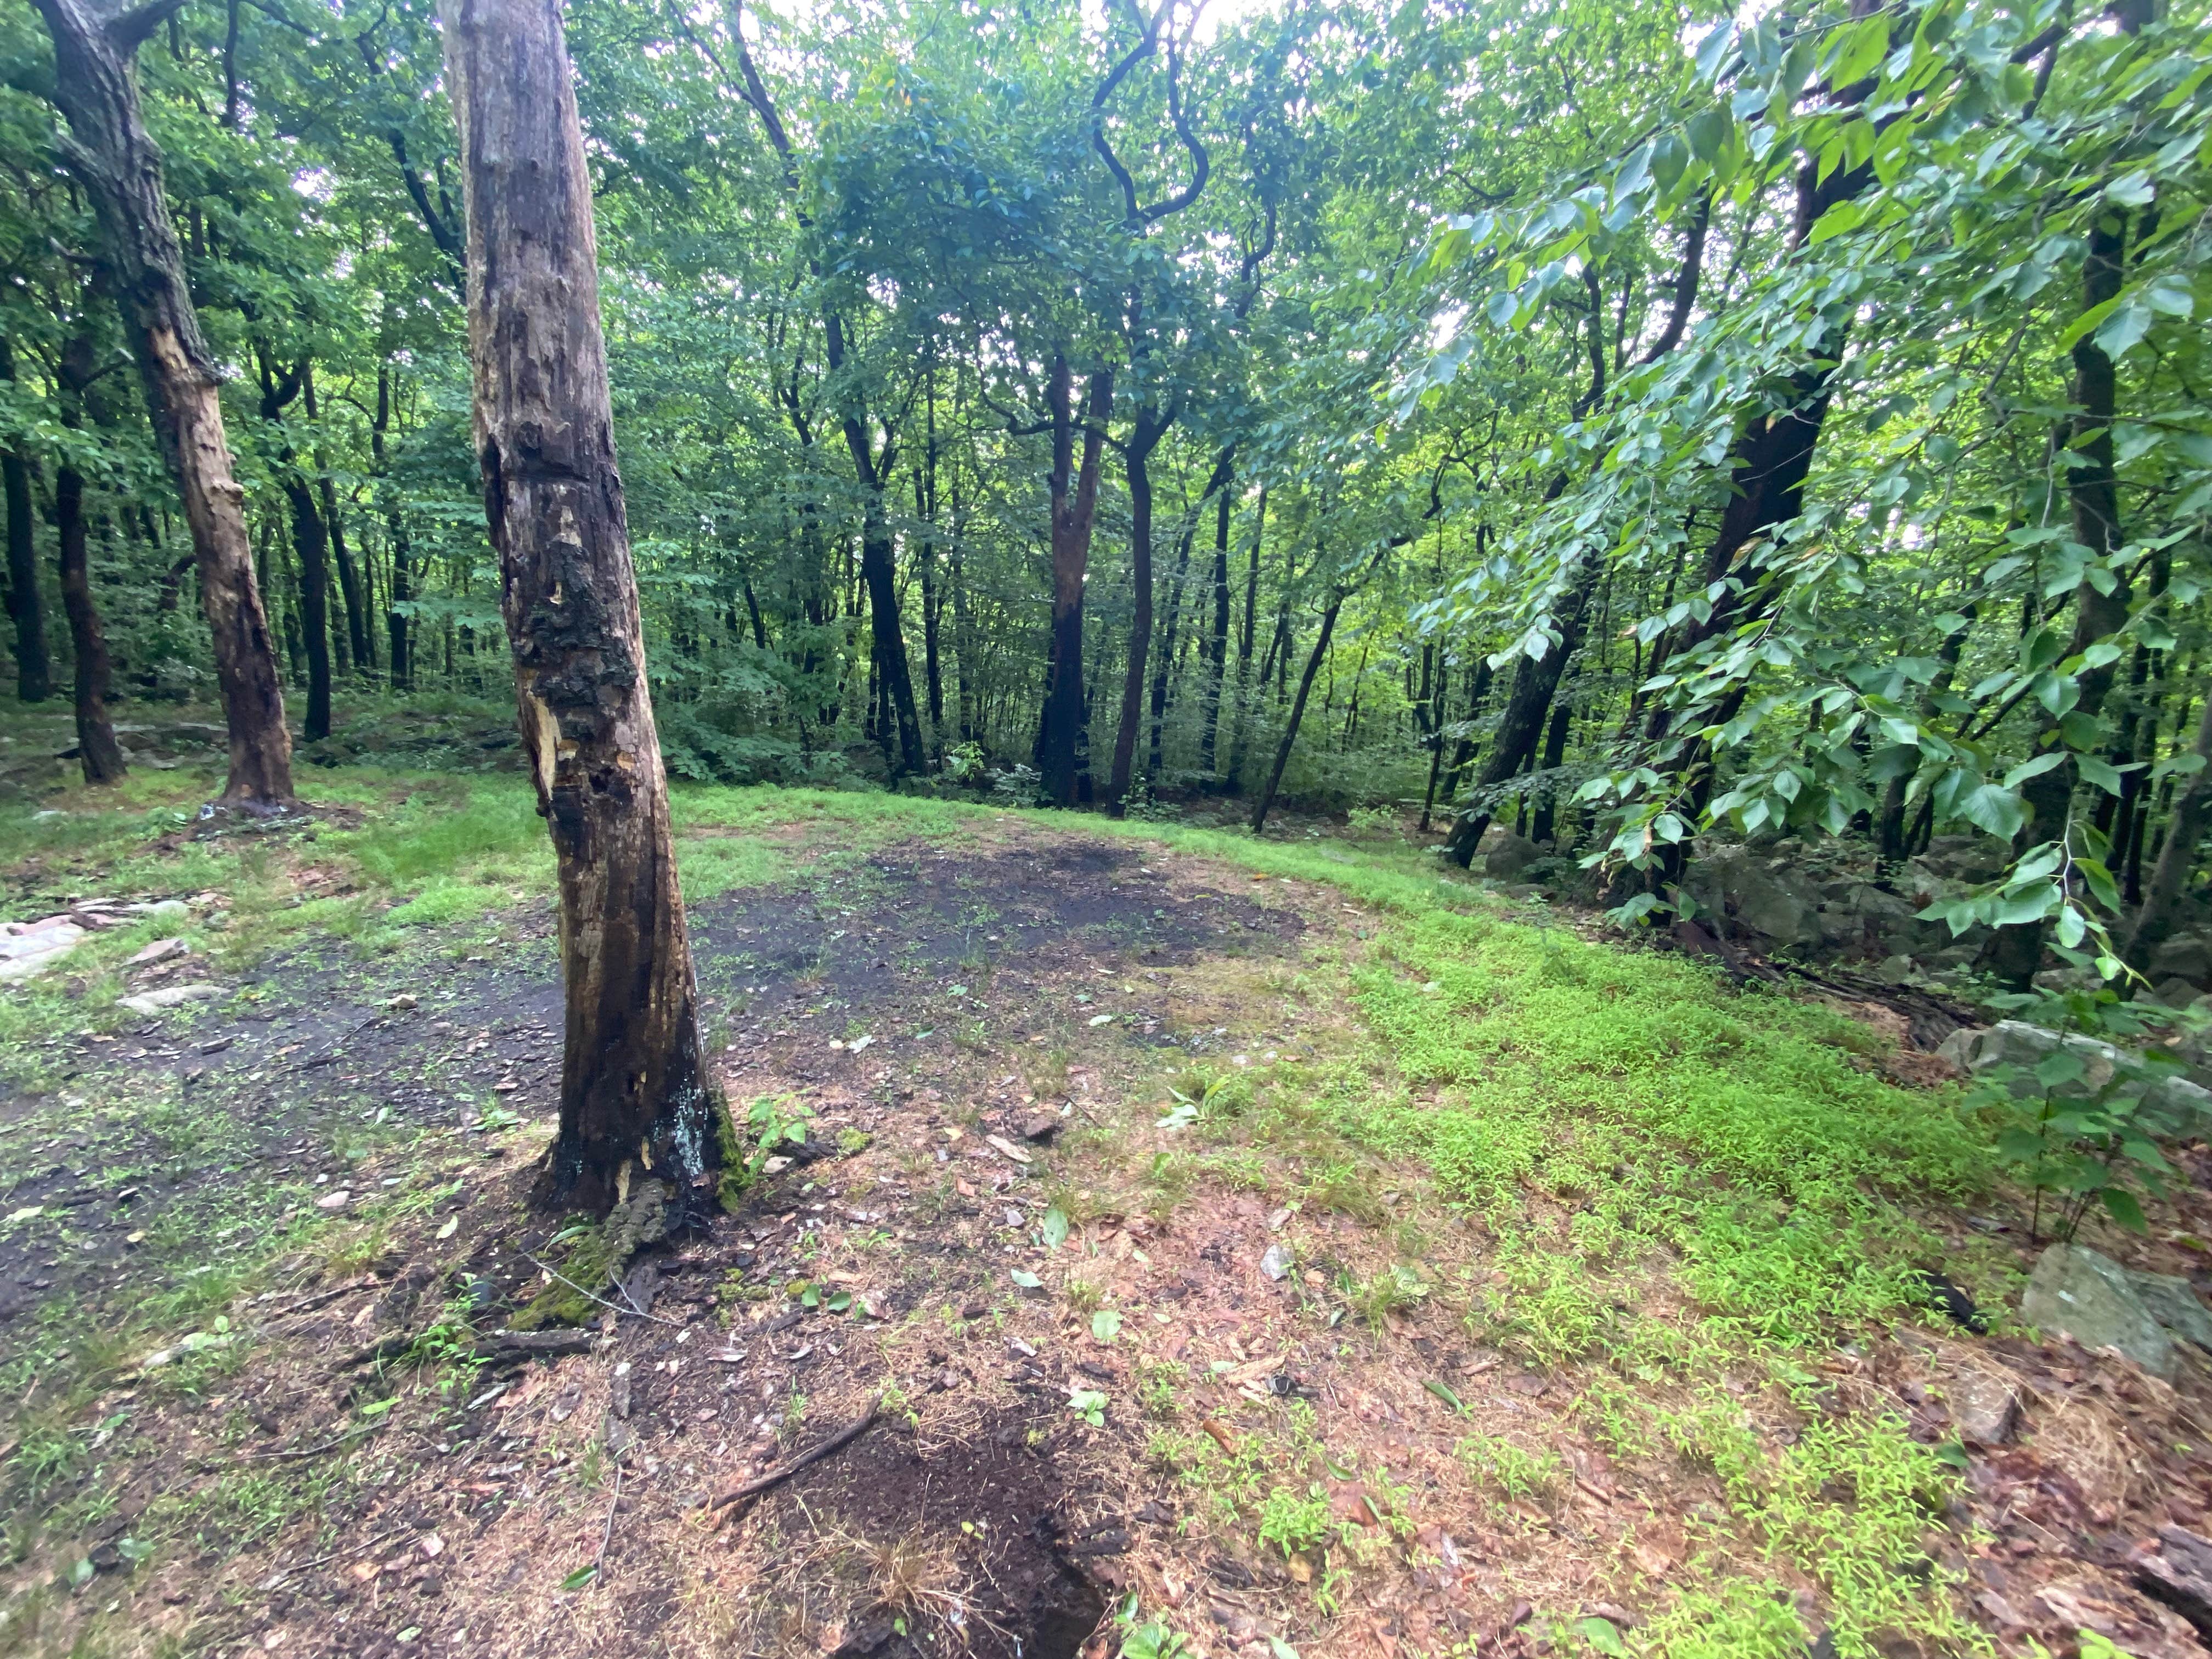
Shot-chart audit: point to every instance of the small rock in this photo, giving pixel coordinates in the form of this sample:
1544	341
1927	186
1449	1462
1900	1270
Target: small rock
162	950
2178	1573
1277	1262
171	996
1041	1127
334	1201
1984	1407
403	1002
431	1585
2174	1305
973	1309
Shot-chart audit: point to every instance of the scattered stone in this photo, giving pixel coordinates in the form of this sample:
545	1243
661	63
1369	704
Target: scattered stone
999	1143
1505	855
2178	1573
1984	1410
336	1199
162	950
1041	1127
171	996
403	1002
31	947
1277	1262
2095	1300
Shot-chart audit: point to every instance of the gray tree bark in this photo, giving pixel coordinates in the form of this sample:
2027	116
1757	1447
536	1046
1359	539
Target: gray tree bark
109	154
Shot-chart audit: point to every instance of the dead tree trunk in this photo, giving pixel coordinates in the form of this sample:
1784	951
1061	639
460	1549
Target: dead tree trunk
109	152
636	1100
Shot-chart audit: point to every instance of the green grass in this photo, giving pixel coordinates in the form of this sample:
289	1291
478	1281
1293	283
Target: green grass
1614	1122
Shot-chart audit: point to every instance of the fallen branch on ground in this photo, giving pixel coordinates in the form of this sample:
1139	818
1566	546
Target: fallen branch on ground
783	1472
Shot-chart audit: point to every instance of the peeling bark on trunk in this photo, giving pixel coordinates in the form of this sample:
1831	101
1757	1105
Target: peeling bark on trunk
637	1098
109	152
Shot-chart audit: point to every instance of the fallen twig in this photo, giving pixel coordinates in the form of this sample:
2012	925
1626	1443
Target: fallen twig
600	1561
355	1433
376	1543
783	1472
331	1052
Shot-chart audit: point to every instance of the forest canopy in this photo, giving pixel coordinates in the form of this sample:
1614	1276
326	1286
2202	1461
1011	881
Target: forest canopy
1627	422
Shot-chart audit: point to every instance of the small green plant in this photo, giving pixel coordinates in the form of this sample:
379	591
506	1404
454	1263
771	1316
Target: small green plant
1295	1521
1089	1404
1395	1289
1147	1639
1524	1476
2079	1124
1084	1296
776	1121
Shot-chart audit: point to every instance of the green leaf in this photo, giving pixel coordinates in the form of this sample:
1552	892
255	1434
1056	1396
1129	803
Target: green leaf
1444	1394
1707	130
1054	1227
1994	809
1600	1634
1028	1281
581	1576
2121	1206
2101	772
1860	50
1106	1324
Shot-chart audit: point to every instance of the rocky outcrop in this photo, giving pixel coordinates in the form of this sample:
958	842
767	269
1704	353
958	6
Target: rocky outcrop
2178	1106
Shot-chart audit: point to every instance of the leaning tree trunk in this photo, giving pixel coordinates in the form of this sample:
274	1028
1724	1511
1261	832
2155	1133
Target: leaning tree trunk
637	1105
1266	800
109	152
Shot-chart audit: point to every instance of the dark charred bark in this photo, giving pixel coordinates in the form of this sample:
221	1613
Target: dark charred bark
109	152
637	1105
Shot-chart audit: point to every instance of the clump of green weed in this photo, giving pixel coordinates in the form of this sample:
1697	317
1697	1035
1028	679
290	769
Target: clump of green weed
1522	1475
1393	1290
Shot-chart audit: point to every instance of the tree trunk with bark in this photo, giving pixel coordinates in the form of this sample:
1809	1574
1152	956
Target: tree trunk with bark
1266	801
110	153
2162	904
1217	653
1074	508
637	1102
1151	426
99	757
2092	490
26	609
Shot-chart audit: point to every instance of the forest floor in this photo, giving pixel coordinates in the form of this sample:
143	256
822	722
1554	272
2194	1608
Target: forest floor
1233	1246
